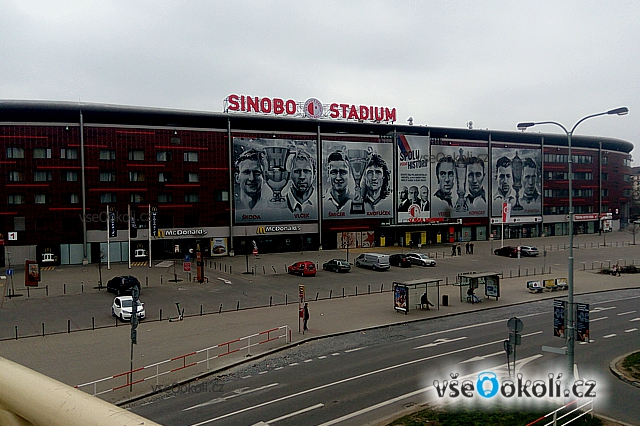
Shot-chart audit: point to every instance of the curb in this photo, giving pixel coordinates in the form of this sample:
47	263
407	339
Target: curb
621	375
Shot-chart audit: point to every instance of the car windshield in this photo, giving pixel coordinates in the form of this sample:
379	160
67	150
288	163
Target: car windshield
127	303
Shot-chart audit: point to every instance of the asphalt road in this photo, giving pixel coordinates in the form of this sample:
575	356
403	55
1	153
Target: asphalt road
360	378
74	303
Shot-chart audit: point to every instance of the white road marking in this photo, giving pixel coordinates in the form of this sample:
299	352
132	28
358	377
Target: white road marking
295	413
279	368
335	354
224	280
308	360
439	342
322	357
237	392
635	319
533	334
599	309
482	357
293	363
263	372
631	330
597	319
346	380
609	335
626	313
353	350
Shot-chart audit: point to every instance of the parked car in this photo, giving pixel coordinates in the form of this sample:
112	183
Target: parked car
421	259
123	308
336	265
399	260
529	251
304	269
508	251
123	285
375	261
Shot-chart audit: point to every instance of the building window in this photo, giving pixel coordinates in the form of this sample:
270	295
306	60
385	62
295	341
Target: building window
163	156
164	177
136	198
107	154
42	177
107	197
191	157
221	196
41	152
191	198
626	178
41	199
605	160
69	153
165	198
605	192
70	198
549	175
136	176
107	176
583	209
627	162
69	176
15	199
605	176
14	176
13	152
136	155
582	176
192	177
626	193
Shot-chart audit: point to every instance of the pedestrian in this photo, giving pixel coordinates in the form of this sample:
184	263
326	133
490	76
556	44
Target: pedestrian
459	250
618	269
471	247
466	248
305	318
424	302
453	250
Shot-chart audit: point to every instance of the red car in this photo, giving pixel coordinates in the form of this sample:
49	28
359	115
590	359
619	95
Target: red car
304	269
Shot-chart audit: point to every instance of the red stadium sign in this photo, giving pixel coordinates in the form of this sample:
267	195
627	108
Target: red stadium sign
311	108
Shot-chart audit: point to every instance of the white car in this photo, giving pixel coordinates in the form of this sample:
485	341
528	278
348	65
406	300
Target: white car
420	259
122	307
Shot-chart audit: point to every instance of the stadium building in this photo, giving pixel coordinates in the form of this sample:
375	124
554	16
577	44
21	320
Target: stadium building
269	174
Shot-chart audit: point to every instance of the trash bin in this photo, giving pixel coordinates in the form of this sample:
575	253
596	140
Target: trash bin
445	300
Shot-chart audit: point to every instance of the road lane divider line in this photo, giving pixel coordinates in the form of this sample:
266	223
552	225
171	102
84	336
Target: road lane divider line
345	380
609	335
438	342
236	393
626	313
295	413
597	319
631	330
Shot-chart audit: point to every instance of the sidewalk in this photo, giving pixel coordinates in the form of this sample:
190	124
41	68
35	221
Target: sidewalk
82	357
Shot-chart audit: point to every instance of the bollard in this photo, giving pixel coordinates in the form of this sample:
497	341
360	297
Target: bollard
274	269
28	292
263	270
64	288
381	287
446	280
116	318
160	278
510	276
270	301
356	290
42	329
342	291
527	271
317	295
146	281
68	326
368	288
286	299
534	271
93	323
330	293
238	306
230	266
16	332
200	309
225	267
285	269
220	310
82	288
160	314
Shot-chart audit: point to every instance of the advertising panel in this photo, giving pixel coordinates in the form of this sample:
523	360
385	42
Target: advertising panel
401	298
517	179
274	180
458	181
413	179
582	323
559	307
357	180
218	246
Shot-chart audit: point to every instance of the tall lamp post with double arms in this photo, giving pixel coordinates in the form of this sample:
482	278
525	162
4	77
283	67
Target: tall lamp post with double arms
570	316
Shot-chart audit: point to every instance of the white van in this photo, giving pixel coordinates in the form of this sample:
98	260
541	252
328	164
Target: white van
375	261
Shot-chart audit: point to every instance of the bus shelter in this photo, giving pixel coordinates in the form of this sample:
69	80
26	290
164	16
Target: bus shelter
489	280
408	293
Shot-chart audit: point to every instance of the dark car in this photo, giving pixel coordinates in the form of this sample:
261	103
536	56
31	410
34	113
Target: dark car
399	260
336	265
506	251
123	285
304	269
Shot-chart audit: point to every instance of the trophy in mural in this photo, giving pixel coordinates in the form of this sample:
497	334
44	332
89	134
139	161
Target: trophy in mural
461	183
357	162
276	174
516	169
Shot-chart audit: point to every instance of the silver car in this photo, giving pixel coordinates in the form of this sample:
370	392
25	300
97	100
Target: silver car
529	251
420	259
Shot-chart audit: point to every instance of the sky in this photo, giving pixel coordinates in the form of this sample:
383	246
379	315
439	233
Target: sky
444	63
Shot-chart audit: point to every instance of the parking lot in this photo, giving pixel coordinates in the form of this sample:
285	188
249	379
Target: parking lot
67	299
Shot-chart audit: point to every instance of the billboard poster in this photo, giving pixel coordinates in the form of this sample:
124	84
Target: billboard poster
559	307
357	180
275	180
413	179
458	181
218	246
517	179
582	323
401	298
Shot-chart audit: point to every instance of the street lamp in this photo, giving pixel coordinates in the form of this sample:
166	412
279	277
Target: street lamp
570	319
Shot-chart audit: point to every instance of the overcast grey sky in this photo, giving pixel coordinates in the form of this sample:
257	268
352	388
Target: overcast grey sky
442	62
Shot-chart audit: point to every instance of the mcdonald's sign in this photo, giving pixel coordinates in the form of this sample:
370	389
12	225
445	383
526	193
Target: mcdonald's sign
269	229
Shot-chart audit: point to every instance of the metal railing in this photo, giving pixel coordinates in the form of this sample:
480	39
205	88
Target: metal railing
173	365
568	417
